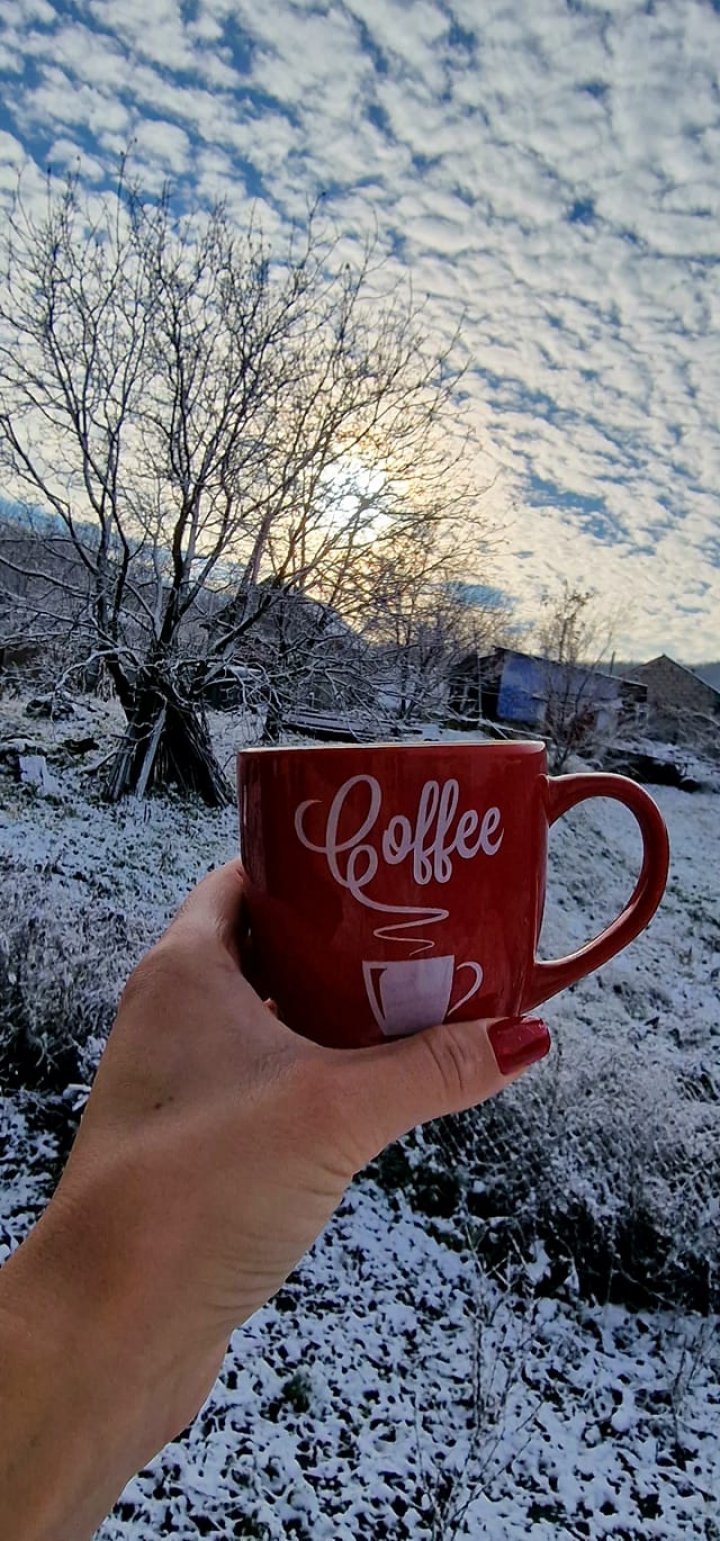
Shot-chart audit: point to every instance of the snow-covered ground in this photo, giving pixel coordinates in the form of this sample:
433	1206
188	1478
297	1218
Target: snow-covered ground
399	1386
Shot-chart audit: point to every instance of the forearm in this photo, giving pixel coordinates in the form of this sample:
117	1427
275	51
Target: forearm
55	1484
65	1451
89	1386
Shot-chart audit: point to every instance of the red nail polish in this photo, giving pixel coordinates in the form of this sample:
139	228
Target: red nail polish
518	1043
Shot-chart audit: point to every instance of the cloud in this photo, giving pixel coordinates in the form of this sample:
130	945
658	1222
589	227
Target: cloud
548	175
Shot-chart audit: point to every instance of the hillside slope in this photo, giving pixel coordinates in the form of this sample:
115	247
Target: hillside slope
416	1378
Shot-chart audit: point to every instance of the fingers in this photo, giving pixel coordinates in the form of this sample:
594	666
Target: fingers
443	1070
216	909
214	916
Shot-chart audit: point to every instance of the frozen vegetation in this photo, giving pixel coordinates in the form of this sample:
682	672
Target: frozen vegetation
507	1329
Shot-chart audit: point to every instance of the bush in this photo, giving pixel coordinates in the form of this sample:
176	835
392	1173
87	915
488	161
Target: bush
63	961
607	1158
297	1391
421	1174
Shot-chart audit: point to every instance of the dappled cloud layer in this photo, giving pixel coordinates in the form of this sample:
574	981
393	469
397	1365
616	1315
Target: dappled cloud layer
546	172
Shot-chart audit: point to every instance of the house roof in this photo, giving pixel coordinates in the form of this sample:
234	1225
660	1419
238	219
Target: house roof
515	652
665	658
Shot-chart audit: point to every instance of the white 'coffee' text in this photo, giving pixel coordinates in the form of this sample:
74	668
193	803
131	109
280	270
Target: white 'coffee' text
431	838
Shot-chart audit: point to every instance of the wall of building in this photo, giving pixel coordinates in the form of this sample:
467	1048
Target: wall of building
668	684
530	685
521	697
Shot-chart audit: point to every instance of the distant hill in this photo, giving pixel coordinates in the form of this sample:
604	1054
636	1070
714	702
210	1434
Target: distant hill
709	672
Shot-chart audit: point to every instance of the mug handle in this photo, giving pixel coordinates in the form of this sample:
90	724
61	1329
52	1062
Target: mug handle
547	978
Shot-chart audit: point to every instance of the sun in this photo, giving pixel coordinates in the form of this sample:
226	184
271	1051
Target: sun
354	498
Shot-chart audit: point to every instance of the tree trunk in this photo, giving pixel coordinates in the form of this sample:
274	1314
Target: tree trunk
166	743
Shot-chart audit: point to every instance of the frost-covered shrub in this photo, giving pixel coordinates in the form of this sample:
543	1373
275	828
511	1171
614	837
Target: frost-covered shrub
64	955
392	1169
610	1156
428	1183
297	1391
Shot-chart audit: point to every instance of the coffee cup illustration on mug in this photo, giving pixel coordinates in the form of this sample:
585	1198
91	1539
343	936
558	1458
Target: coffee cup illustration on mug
413	993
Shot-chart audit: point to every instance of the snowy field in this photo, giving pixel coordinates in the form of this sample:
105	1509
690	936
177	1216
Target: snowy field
438	1366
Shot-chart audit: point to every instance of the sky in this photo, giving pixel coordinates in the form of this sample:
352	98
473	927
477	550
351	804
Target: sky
547	172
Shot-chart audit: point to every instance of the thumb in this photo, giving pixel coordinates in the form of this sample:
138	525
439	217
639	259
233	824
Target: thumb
442	1070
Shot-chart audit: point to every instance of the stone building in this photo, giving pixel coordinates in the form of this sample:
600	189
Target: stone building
681	706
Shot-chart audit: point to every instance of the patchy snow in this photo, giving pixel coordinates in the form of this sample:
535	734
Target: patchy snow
439	1404
404	1383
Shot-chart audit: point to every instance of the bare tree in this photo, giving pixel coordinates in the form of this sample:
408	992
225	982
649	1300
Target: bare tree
574	637
315	668
196	414
422	621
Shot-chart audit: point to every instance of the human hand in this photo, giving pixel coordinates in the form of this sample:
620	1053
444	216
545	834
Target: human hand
226	1140
215	1145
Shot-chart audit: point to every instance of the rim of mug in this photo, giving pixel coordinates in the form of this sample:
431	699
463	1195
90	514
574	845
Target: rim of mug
523	745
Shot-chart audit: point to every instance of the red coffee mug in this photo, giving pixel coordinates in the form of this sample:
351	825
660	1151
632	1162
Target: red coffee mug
395	886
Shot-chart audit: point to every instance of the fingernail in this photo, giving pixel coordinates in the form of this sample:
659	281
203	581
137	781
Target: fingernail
518	1043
